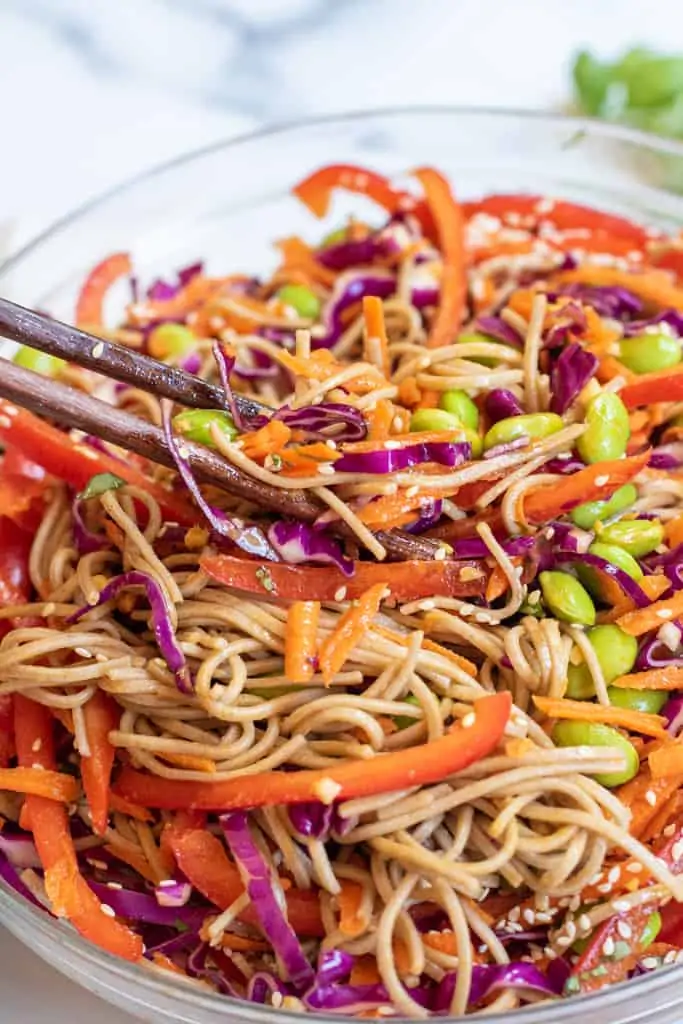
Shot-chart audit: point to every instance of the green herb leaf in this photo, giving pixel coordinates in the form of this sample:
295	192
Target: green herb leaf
100	484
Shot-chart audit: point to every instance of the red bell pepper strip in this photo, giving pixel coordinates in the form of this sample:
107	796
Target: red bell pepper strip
609	957
15	588
415	766
202	858
407	581
102	714
450	231
661	386
90	302
316	190
669	259
22	488
594	483
69	893
561	214
76	462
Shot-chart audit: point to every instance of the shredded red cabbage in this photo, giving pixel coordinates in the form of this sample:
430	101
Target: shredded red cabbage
667	456
85	540
508	446
565	463
171	893
672	317
498	329
316	820
138	906
607	300
627	584
247	537
570	373
161	621
226	365
267	898
673	712
390	460
297	543
474	547
349	290
198	967
327	421
430	513
263	986
571	320
160	291
10	875
501	403
653	653
19	850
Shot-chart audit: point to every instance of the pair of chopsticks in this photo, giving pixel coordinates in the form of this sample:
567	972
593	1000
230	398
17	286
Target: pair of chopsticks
75	409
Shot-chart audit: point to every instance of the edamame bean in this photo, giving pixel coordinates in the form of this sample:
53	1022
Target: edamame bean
171	340
645	353
588	514
593	734
653	927
39	362
650	701
616	652
637	536
534	425
305	302
403	721
594	580
608	431
195	425
460	405
334	237
566	598
439	419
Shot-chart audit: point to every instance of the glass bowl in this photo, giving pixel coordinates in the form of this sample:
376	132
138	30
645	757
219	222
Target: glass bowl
226	204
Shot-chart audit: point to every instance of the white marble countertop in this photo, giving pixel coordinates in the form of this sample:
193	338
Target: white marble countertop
94	92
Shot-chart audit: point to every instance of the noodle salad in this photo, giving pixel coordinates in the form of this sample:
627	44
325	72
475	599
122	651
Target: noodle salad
418	750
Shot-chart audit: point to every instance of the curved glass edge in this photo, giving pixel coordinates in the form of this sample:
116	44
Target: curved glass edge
579	125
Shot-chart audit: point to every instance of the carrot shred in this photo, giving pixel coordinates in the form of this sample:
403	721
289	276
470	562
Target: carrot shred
267	440
645	619
409	393
669	677
300	640
190	762
673	532
40	782
349	900
380	420
243	944
166	964
582	711
666	761
364	971
297	255
645	795
498	582
654	586
138	862
120	805
350	630
450	228
376	343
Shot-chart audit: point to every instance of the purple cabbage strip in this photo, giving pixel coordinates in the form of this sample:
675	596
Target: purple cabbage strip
85	540
160	291
161	621
316	820
19	850
570	373
10	876
607	300
501	403
430	513
226	365
297	543
496	328
321	422
667	456
653	653
672	317
508	446
261	888
474	547
263	986
247	537
349	290
572	321
626	583
390	460
566	464
172	893
197	967
138	906
673	712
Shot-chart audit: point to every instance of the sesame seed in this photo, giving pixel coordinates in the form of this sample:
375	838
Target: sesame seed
514	914
613	875
635	867
440	554
651	797
584	923
563	940
608	946
570	930
166	882
529	915
600	481
340	594
331	444
49	608
574	903
620	906
544	916
114	885
38	767
98	350
5	422
605	887
99	864
677	850
467	722
327	790
109	911
624	929
326	469
412	491
664	613
670	956
391	446
36	745
669	831
11	410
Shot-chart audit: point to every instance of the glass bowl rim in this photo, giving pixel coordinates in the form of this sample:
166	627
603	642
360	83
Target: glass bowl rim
152	981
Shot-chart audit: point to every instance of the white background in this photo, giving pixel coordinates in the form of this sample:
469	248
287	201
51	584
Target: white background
93	91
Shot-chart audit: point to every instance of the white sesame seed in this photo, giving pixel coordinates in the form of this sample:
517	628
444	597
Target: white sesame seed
574	903
5	422
600	481
613	875
38	767
114	885
608	946
440	554
327	790
669	831
620	906
98	350
670	956
570	930
165	883
529	915
677	850
340	594
331	444
412	491
563	940
514	914
635	867
584	923
664	613
326	469
467	721
651	797
109	911
36	745
649	963
391	446
624	929
605	887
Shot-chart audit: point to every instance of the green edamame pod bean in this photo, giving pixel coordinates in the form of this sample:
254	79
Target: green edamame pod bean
171	340
645	353
439	419
39	362
588	514
593	579
608	429
637	536
461	406
533	425
566	598
195	424
653	927
593	734
650	701
403	721
305	302
616	652
335	237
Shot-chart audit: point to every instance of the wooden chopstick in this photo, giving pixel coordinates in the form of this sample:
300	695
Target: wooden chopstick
27	327
75	409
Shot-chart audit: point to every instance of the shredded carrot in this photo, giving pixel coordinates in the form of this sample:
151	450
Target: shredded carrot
65	717
318	366
498	582
25	817
667	761
267	440
673	532
388	507
609	368
450	229
518	747
444	942
137	861
380	420
166	964
646	619
40	782
653	286
645	795
300	640
668	812
243	944
404	441
120	805
189	762
364	971
654	586
297	255
583	711
376	343
350	630
349	900
669	677
409	393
